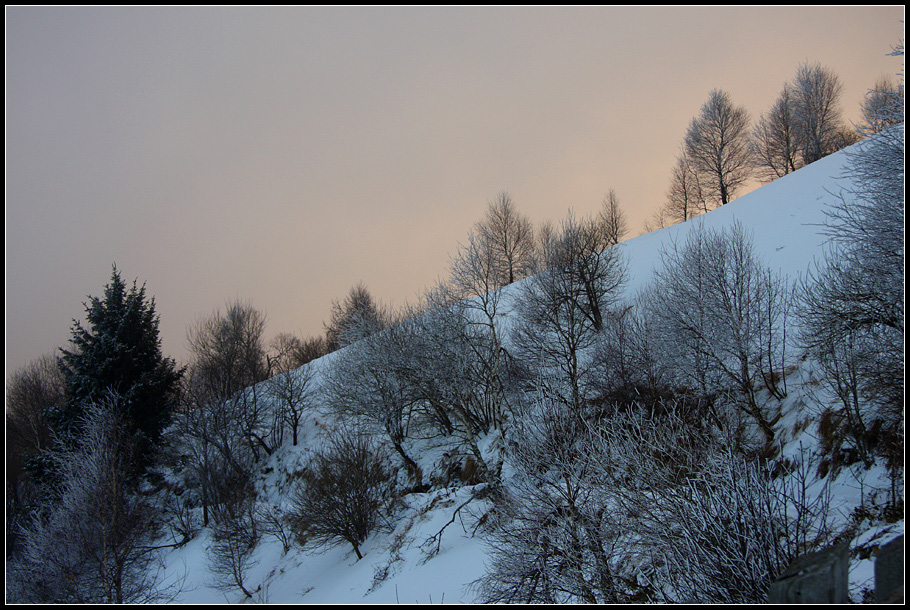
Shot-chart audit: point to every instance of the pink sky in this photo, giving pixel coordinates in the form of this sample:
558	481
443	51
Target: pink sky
282	155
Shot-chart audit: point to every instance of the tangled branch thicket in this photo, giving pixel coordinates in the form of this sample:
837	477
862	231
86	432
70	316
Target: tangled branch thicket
637	508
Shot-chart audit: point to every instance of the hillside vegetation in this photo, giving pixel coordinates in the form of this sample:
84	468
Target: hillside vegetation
688	448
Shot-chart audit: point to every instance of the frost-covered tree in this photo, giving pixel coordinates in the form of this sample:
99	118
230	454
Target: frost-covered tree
816	93
775	144
556	539
704	522
366	380
510	237
469	309
118	354
475	276
723	313
883	106
95	542
643	505
627	358
561	310
458	369
717	145
852	304
358	316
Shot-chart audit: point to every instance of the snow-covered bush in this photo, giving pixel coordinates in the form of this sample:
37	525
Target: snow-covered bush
644	505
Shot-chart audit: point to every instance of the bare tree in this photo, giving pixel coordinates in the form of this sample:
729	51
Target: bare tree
723	312
775	143
227	349
235	537
284	353
685	196
260	418
816	93
562	309
474	273
342	493
212	439
313	348
883	106
545	233
32	392
274	521
593	270
717	145
293	392
612	219
659	219
510	237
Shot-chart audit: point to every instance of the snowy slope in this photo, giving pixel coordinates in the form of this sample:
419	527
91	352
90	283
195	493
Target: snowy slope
408	565
784	217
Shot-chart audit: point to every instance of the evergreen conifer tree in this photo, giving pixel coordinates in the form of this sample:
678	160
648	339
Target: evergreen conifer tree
116	359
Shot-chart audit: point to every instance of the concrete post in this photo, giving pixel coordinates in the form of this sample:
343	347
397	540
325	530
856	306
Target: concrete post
889	572
821	577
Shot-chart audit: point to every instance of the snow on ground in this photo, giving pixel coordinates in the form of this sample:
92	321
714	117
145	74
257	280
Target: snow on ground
784	217
409	564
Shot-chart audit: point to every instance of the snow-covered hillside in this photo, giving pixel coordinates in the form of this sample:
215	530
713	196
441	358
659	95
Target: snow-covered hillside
412	563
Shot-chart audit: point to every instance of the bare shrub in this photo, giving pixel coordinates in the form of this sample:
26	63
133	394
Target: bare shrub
342	493
233	550
275	522
293	394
